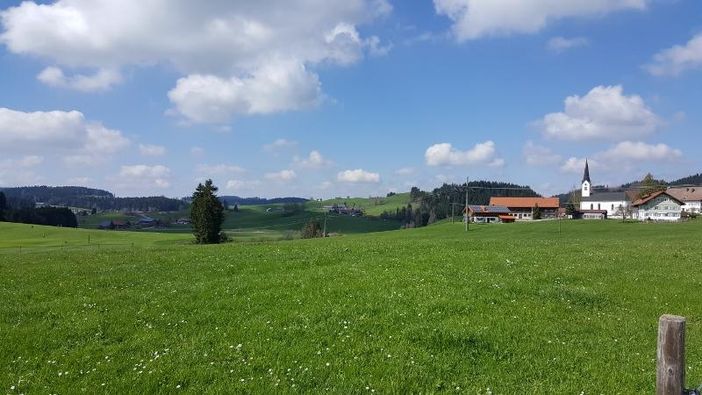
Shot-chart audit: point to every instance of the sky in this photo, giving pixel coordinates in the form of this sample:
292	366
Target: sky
319	98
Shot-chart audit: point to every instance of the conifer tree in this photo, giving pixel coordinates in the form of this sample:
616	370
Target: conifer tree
207	214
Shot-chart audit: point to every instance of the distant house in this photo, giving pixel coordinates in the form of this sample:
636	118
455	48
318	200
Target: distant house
523	207
593	214
690	196
183	221
658	206
487	214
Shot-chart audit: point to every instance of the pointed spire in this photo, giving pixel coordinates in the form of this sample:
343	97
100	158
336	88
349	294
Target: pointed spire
586	174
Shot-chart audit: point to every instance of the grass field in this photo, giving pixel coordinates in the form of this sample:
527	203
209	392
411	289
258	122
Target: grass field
371	206
518	308
255	223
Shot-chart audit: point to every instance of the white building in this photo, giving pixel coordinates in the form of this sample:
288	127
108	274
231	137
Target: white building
690	196
658	206
597	204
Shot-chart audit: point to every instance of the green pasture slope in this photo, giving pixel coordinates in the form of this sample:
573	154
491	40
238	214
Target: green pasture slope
371	206
510	308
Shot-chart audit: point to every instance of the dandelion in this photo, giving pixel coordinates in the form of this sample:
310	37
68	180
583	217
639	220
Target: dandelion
178	386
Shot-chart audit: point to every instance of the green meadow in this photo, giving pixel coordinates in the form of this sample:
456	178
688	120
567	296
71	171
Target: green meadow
542	307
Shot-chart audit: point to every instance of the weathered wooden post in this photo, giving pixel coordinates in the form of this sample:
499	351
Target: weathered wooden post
670	367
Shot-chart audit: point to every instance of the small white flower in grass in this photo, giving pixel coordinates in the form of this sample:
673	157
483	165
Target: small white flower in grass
12	388
178	386
328	364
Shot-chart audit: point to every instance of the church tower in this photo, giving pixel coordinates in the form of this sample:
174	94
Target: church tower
587	184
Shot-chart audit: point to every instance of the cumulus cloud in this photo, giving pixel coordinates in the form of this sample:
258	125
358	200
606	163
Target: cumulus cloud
358	176
605	113
273	88
560	44
281	176
473	19
279	144
537	155
261	58
143	177
219	169
624	156
20	171
405	171
237	185
65	133
314	160
678	59
101	80
445	154
152	150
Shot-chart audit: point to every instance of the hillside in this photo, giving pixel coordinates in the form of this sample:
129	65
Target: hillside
371	206
414	311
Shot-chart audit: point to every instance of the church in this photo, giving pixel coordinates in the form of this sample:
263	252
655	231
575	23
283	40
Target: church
601	204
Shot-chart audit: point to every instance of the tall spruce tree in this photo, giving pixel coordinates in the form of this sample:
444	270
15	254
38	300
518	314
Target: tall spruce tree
207	214
3	205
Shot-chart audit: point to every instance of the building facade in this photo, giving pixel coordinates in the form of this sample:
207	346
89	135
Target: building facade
690	196
659	206
522	208
615	204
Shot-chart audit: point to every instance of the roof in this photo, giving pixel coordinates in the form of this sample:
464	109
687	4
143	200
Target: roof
488	209
654	195
606	197
586	173
686	194
525	202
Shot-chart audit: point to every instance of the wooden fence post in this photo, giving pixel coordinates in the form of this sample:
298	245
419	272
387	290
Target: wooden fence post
670	366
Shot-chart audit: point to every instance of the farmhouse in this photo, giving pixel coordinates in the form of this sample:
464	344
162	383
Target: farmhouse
690	196
523	207
601	204
658	206
488	214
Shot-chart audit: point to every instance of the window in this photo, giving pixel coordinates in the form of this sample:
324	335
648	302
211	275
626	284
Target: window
592	206
612	207
598	206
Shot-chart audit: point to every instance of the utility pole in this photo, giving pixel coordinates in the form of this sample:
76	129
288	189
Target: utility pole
324	233
466	208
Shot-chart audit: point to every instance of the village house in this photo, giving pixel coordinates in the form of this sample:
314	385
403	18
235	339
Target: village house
691	197
658	206
488	214
601	204
523	207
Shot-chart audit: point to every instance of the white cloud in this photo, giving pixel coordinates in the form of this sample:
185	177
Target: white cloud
536	155
639	151
279	144
281	176
605	113
314	160
358	176
142	178
219	169
259	52
237	185
405	171
273	88
473	19
102	80
140	171
680	58
80	181
197	151
445	154
152	150
65	133
20	171
624	156
560	44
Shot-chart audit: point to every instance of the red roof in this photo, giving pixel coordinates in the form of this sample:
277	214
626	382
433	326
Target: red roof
525	202
654	195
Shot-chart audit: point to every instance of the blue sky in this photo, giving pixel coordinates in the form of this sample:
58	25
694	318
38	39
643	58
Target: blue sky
360	97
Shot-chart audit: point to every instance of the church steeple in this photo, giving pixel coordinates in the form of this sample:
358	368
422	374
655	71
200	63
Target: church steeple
587	184
586	174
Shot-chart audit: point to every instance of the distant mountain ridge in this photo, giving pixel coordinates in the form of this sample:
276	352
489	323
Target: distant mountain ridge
88	198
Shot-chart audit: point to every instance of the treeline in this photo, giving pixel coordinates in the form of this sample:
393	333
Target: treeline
88	198
428	207
53	216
